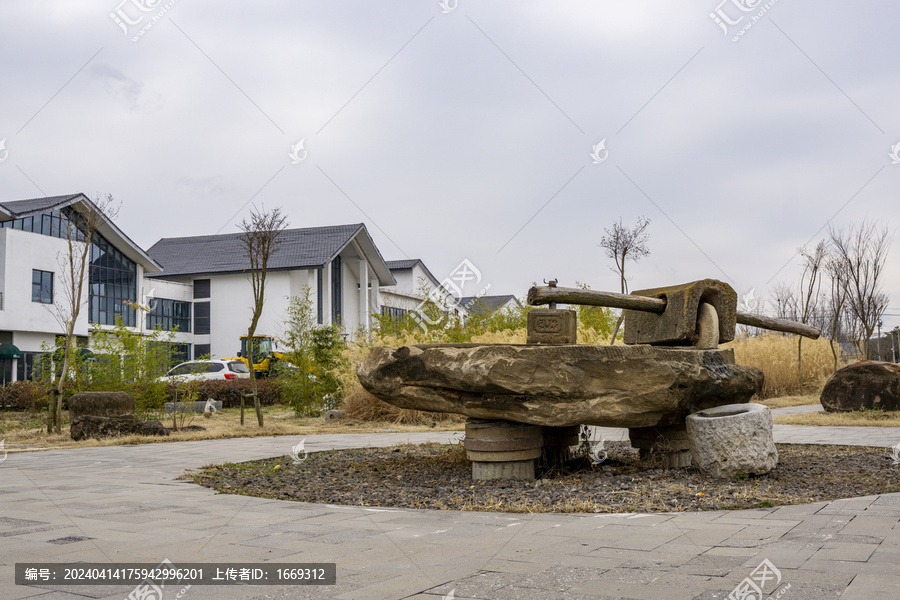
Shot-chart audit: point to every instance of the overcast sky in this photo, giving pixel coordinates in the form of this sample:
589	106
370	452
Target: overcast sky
465	131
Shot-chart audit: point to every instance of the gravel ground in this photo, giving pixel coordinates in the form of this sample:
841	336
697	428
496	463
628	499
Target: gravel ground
439	477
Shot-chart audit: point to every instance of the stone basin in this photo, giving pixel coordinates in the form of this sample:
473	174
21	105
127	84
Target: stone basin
557	386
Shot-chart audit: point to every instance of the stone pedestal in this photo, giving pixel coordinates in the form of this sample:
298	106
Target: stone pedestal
502	449
670	444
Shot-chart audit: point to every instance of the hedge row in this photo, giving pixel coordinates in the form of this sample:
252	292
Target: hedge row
32	396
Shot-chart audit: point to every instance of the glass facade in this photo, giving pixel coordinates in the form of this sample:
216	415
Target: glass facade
336	288
113	281
169	315
54	223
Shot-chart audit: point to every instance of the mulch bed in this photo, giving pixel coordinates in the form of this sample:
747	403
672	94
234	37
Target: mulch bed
438	476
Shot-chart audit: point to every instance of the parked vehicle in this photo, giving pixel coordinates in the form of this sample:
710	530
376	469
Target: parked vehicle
262	351
197	370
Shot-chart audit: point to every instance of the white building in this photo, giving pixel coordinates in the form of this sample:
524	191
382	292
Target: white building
340	265
196	286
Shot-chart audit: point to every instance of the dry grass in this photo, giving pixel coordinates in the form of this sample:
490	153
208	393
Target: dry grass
788	401
25	433
861	418
776	356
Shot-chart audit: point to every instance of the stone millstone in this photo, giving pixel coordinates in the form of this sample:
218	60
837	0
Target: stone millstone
732	440
863	386
559	386
88	426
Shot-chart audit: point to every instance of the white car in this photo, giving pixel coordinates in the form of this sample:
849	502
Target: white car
200	370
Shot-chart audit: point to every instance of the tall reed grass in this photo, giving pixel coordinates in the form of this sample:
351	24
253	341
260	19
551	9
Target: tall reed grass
776	356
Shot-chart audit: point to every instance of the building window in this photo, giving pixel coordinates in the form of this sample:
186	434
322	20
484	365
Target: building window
29	366
42	286
336	290
201	318
393	312
319	294
175	353
201	350
169	315
53	223
202	288
113	281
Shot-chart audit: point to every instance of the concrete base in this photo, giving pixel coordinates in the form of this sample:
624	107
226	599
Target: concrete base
522	470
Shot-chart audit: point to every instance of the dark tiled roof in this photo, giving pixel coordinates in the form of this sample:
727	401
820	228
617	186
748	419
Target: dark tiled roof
209	254
400	265
485	303
21	208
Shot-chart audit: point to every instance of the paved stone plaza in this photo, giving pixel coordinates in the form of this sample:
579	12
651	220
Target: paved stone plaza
122	504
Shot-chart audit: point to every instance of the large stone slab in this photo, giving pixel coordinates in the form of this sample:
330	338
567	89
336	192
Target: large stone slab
864	385
558	386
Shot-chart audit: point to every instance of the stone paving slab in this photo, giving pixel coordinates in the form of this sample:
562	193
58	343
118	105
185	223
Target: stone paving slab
122	504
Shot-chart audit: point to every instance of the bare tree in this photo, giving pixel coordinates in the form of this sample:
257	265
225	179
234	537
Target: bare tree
623	244
810	285
862	249
260	240
837	300
784	302
626	243
82	222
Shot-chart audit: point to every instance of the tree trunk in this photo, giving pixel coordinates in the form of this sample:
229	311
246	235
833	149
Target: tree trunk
57	417
612	342
254	389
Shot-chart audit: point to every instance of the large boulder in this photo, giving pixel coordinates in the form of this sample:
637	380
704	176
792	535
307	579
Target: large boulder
864	385
732	440
101	404
89	426
559	386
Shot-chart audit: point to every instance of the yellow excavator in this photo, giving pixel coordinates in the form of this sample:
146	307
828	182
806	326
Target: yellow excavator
263	354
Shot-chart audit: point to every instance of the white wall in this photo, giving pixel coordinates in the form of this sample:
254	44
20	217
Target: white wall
20	253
